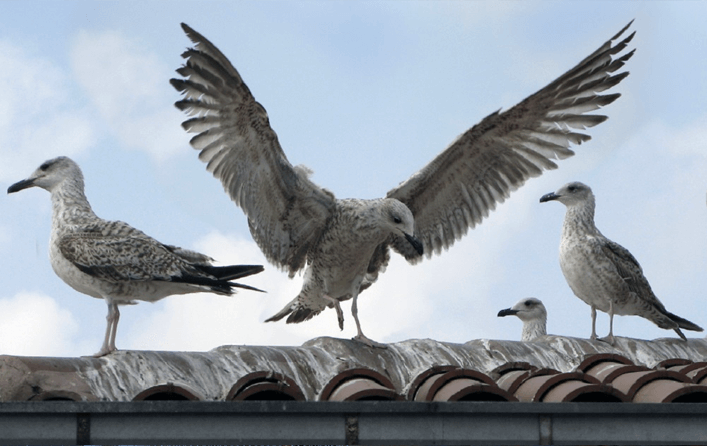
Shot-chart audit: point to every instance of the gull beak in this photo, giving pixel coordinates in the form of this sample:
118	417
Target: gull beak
415	242
507	312
24	184
549	197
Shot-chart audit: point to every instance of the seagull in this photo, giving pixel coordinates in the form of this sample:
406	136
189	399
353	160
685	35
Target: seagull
113	261
603	273
344	244
533	314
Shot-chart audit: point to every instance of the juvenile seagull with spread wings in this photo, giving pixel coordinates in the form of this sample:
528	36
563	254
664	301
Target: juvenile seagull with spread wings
345	244
113	261
603	273
533	314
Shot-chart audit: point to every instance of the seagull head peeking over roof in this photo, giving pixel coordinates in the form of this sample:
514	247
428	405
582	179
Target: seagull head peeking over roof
533	314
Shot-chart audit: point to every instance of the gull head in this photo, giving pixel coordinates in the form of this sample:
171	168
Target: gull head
399	219
571	194
47	176
528	309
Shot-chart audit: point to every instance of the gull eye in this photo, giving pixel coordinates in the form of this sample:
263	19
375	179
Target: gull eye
572	188
397	219
45	166
528	303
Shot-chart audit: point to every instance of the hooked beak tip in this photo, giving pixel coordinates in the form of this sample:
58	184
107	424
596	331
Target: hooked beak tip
416	243
507	312
549	197
20	185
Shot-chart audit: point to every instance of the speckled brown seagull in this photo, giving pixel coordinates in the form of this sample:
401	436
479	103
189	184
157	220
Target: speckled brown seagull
345	244
603	273
113	261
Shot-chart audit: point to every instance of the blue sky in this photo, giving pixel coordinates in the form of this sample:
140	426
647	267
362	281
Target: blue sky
364	93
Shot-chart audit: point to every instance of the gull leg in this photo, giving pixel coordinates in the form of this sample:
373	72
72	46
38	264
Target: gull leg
116	316
360	337
111	326
594	324
610	338
337	306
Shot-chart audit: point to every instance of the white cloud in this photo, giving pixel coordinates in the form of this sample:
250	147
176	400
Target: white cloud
34	324
37	118
128	85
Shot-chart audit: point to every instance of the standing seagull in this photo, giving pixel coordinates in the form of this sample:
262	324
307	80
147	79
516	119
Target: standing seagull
603	273
345	244
113	261
533	314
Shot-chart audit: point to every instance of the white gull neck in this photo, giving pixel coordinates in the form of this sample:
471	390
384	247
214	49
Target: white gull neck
533	329
579	218
69	203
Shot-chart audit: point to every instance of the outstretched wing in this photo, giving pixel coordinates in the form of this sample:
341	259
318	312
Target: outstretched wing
286	211
459	188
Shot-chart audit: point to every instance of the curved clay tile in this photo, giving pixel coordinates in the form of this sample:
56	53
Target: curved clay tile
672	362
581	392
265	386
535	387
591	361
359	384
357	389
468	389
510	376
607	372
631	383
461	385
512	380
698	375
669	391
425	379
169	391
691	370
510	367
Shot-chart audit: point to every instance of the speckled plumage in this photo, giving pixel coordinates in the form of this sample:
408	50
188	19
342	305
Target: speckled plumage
299	225
113	261
603	273
532	312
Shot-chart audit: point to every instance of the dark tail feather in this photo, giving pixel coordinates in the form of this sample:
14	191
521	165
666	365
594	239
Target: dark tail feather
301	314
684	323
231	272
246	287
280	314
297	313
220	277
677	330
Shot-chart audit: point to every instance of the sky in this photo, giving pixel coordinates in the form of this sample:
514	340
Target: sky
365	94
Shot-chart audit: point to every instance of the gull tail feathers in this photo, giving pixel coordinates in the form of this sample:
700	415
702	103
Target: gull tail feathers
297	313
220	277
231	272
684	323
